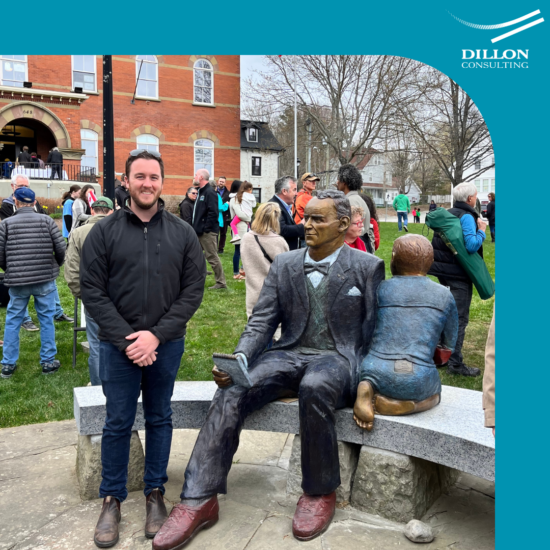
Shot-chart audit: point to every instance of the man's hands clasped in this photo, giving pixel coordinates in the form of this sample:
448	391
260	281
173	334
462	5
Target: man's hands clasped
143	350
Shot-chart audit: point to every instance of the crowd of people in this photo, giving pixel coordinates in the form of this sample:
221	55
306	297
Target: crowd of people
140	273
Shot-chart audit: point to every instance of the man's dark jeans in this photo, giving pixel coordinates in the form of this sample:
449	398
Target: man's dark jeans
122	382
223	235
323	383
462	293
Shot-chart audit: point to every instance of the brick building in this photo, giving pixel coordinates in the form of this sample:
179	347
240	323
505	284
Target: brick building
186	107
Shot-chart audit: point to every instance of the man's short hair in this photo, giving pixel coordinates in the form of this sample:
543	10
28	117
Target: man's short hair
411	254
15	177
143	155
102	210
350	175
222	178
464	190
341	203
25	148
283	183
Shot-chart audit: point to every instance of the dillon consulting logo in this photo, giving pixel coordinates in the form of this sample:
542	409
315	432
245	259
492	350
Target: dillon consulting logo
494	59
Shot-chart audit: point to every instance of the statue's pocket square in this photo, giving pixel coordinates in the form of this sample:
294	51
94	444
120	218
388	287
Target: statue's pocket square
354	292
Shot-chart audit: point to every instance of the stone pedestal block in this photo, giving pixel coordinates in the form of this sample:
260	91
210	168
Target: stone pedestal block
348	454
396	486
88	465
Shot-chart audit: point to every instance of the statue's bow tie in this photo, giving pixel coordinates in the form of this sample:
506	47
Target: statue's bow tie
321	268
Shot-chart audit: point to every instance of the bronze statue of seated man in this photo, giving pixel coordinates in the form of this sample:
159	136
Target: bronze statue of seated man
399	376
325	299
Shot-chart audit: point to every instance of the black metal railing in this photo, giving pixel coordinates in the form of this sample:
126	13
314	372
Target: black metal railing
65	172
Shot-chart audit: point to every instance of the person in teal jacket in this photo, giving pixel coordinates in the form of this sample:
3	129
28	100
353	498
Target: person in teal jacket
222	207
402	206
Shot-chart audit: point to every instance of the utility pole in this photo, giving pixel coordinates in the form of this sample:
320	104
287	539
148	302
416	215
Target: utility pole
108	129
308	125
295	122
385	165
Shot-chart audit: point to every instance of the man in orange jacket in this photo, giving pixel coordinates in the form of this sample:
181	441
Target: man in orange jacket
309	181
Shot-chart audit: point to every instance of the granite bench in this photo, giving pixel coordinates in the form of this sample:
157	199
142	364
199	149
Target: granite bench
427	445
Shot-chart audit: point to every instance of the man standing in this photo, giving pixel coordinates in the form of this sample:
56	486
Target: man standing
491	215
24	158
309	182
142	278
206	225
31	251
350	182
325	299
224	194
101	208
121	192
55	160
452	275
402	206
7	210
285	191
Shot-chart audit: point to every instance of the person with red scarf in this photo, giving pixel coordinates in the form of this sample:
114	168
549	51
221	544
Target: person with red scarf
353	234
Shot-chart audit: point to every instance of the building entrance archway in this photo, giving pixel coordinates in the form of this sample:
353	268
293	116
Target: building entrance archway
40	126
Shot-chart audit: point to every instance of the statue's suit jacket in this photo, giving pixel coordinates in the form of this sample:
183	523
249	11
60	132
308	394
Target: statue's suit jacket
353	284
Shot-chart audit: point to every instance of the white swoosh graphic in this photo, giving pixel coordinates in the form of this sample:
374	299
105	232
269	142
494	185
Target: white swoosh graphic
499	26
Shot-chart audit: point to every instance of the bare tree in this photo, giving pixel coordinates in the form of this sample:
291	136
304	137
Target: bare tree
403	161
349	99
448	124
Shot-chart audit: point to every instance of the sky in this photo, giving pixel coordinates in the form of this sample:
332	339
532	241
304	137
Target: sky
249	63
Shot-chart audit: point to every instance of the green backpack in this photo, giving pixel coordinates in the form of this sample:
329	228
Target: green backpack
450	231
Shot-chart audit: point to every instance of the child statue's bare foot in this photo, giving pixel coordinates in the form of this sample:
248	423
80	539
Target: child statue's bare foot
363	410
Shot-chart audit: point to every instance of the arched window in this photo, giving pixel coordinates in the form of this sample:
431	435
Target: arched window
203	82
204	155
84	72
88	142
13	70
149	142
147	76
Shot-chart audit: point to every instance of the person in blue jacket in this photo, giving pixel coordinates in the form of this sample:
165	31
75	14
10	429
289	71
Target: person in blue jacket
399	376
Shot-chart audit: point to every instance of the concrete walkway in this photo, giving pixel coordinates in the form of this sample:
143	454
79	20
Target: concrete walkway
40	507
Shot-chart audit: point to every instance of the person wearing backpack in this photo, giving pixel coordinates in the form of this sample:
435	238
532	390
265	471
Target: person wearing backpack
451	274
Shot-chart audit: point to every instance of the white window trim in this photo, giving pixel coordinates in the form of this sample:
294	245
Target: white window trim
2	58
197	69
138	63
213	154
96	147
252	157
141	145
95	75
248	135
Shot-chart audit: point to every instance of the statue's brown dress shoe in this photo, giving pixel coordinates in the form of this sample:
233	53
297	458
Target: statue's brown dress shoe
313	515
184	523
106	530
156	513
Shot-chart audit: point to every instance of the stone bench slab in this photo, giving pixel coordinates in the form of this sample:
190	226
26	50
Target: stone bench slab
451	434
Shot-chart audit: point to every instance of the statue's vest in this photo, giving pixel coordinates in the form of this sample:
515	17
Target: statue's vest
317	335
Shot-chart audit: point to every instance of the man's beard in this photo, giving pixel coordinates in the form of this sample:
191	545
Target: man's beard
142	205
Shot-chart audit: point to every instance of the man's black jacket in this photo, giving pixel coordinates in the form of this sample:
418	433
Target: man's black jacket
136	276
121	194
55	157
205	216
225	198
290	232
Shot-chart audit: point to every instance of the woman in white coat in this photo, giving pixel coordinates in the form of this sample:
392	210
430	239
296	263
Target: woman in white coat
241	205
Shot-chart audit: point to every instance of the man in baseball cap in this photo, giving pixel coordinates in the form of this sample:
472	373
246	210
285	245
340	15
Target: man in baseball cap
309	181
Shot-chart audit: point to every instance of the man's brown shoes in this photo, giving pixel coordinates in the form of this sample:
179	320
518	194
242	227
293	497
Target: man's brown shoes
156	513
106	530
313	515
184	523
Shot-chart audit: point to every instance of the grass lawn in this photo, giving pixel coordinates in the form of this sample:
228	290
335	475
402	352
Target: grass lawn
29	397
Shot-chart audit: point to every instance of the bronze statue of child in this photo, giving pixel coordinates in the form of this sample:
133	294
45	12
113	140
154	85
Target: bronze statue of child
399	376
